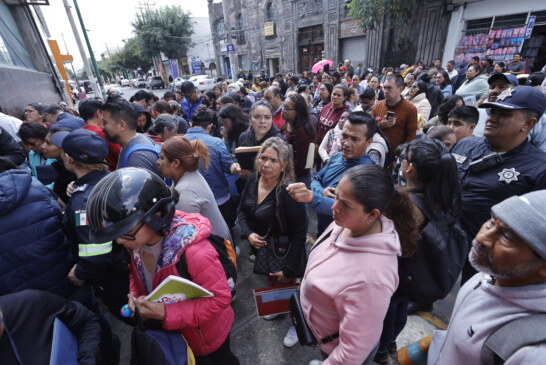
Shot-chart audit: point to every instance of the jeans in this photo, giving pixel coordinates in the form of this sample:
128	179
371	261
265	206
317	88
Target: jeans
394	322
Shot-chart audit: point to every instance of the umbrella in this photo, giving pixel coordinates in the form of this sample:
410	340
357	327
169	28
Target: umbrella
320	65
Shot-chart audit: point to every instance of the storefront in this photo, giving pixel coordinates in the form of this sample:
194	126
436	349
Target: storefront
500	35
352	42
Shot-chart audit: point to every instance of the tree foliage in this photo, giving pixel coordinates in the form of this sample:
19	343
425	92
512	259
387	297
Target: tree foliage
370	13
165	30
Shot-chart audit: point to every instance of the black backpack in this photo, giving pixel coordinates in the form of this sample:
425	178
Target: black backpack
442	250
226	255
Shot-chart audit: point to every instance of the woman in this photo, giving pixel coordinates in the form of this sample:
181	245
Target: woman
324	96
374	85
498	68
256	87
408	81
418	97
217	90
331	143
430	172
267	213
176	110
444	83
135	208
362	232
299	133
475	87
144	119
352	98
330	114
179	161
235	122
223	101
34	113
164	128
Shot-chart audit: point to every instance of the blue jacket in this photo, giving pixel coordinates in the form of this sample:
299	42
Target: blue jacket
330	175
219	163
190	108
34	252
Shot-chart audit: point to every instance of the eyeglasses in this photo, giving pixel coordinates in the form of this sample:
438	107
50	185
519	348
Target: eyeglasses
284	107
414	87
132	236
28	110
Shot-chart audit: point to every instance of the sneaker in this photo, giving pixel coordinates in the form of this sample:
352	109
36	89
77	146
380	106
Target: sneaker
270	317
381	358
391	349
315	362
291	338
251	258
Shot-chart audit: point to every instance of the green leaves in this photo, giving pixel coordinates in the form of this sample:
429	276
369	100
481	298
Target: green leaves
371	13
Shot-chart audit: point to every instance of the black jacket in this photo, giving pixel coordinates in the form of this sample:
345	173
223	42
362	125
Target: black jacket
29	316
10	149
248	138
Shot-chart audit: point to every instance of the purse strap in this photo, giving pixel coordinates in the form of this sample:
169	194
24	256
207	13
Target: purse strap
321	240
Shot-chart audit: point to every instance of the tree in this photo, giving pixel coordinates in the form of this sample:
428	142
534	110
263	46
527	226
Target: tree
132	56
370	13
165	30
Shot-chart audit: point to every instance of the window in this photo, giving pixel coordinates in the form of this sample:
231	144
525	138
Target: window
270	13
13	50
240	29
221	29
243	62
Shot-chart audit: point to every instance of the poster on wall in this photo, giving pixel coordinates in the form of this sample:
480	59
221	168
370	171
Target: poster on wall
498	44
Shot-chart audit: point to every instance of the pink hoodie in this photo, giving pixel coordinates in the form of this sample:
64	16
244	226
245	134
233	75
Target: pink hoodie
347	287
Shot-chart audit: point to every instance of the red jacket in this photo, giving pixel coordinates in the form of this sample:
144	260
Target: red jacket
113	148
204	322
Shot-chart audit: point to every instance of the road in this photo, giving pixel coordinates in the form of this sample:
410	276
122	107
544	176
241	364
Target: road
127	92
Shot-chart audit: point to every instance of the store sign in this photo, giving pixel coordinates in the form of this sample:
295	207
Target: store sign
174	68
269	29
230	48
529	27
196	68
350	28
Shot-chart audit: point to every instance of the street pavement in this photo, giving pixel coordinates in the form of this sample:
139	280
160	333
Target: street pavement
256	341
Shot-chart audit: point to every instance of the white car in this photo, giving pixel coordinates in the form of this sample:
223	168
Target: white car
125	82
203	82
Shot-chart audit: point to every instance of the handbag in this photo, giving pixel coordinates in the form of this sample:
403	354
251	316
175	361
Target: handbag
272	257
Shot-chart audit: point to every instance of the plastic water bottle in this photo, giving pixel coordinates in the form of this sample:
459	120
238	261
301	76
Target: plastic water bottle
415	353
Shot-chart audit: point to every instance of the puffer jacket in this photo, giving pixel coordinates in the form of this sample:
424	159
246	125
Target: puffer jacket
34	252
204	322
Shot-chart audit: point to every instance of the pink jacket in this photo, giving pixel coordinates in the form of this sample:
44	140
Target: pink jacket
204	322
347	287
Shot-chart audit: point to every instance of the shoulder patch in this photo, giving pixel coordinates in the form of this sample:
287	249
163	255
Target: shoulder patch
459	158
81	188
81	218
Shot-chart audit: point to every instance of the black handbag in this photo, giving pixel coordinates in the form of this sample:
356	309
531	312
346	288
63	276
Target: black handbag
272	257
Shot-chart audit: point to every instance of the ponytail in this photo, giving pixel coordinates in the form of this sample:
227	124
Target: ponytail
200	152
400	211
188	153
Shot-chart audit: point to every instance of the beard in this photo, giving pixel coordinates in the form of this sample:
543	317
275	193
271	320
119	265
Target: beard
483	261
111	139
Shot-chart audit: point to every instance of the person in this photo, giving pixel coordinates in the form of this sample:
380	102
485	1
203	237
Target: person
180	161
119	124
361	232
463	120
266	211
165	127
299	133
374	85
223	101
475	86
261	126
10	125
418	97
516	67
31	243
273	96
292	85
263	76
513	115
331	143
403	126
191	99
134	207
444	134
28	316
168	96
367	101
34	112
356	84
408	82
283	86
54	114
235	122
10	149
488	68
176	110
91	113
443	111
451	71
143	98
330	114
241	74
356	137
313	116
510	255
324	96
32	136
144	118
444	83
433	92
498	68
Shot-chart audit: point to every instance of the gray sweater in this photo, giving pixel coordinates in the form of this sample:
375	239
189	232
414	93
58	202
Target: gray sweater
196	197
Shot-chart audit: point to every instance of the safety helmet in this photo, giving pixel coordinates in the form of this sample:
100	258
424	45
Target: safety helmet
126	197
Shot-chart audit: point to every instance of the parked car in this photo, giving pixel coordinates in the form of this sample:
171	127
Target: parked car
175	85
203	82
125	83
87	86
155	81
140	83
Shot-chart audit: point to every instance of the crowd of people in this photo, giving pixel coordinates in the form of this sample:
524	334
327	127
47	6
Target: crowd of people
106	199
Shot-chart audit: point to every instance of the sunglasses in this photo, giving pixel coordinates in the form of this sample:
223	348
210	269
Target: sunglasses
132	236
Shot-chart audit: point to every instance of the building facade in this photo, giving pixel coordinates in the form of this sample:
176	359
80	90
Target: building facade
292	35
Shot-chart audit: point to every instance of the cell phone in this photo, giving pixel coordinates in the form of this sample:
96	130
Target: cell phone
390	115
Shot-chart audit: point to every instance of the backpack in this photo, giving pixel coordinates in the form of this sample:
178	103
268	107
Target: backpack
227	258
506	340
442	250
140	147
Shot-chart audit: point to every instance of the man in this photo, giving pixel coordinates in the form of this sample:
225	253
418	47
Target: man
168	96
58	118
502	163
119	120
191	99
367	100
474	89
143	98
451	71
282	84
463	120
273	96
241	74
356	136
510	253
475	60
292	85
488	66
91	112
264	77
402	127
516	67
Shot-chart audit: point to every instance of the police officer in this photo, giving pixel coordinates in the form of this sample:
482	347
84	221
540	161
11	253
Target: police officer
83	154
502	163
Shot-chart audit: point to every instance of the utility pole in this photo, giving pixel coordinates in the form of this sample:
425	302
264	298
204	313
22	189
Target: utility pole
96	89
95	66
107	49
71	63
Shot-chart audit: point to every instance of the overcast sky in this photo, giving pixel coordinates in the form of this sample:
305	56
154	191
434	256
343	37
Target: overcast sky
108	22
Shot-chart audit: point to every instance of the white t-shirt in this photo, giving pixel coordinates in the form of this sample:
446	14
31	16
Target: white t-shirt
11	125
